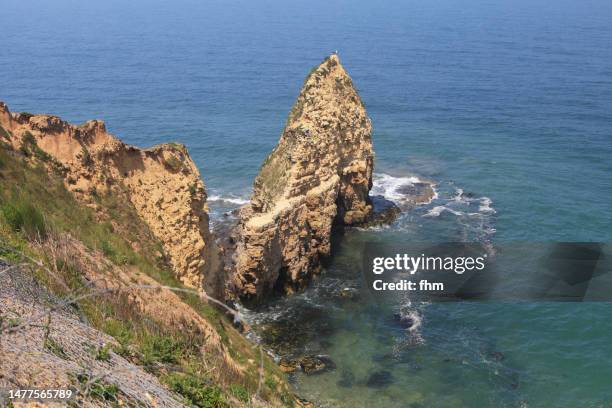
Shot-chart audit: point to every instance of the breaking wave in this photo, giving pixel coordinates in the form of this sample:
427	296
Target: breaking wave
473	214
232	199
462	204
402	190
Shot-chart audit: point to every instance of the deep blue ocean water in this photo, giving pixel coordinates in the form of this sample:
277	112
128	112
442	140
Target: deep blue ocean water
506	106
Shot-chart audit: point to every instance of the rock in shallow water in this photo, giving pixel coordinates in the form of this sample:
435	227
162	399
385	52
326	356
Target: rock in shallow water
316	364
385	212
349	293
347	379
497	356
288	365
380	379
403	320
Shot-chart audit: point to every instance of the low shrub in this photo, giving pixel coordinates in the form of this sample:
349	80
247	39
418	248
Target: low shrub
99	389
239	392
160	349
196	391
30	148
103	353
173	164
54	347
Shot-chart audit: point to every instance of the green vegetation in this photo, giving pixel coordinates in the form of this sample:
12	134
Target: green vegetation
23	217
120	331
98	389
34	202
273	175
270	382
173	164
53	347
197	393
29	148
116	256
8	322
274	172
239	392
161	349
177	146
103	353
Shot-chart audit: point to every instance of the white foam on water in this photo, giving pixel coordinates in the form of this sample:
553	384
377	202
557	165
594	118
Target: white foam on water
459	196
389	187
437	210
412	313
375	228
231	199
460	205
485	205
473	214
417	321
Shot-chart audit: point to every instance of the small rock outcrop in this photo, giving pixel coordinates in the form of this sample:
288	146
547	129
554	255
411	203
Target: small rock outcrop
320	173
162	183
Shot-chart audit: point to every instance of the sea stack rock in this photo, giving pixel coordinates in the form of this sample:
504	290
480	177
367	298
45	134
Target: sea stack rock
320	173
161	184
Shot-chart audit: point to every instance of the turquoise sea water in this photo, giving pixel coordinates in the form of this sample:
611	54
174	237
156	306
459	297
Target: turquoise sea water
506	106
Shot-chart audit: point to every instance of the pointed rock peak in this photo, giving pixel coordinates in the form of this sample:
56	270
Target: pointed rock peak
328	65
320	173
329	76
327	115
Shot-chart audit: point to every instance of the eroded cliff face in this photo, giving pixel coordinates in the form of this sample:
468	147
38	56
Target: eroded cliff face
319	174
162	183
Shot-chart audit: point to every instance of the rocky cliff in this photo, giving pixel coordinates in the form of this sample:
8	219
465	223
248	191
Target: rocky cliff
162	183
89	301
320	173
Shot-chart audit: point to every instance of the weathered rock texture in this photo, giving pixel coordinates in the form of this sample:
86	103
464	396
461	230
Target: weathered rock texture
162	183
319	173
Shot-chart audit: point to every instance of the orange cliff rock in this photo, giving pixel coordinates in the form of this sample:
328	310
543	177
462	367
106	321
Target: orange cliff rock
319	173
162	183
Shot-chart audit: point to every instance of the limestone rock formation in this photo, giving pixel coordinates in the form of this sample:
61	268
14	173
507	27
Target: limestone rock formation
162	183
320	173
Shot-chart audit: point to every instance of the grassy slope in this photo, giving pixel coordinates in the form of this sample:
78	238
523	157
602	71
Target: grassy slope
34	202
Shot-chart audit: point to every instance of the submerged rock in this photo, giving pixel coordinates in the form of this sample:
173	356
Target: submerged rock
320	173
347	379
380	379
349	293
385	213
299	331
404	321
497	356
384	357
